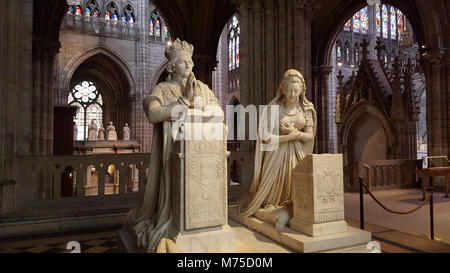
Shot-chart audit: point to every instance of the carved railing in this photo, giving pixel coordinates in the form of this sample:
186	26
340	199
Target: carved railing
100	26
80	182
382	174
75	183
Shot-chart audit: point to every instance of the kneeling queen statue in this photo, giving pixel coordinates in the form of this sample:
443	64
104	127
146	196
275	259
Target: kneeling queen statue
269	197
151	221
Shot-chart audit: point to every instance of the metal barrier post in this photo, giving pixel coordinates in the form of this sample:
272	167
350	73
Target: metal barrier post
361	203
431	208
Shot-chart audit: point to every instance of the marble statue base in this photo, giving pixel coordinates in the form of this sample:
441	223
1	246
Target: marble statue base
318	195
353	240
320	229
214	240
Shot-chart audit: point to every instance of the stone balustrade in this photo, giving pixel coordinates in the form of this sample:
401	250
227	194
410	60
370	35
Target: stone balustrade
100	26
382	174
65	182
62	182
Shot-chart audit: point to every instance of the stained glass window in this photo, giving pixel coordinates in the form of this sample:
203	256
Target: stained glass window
124	17
348	25
233	44
385	21
78	11
237	51
400	22
166	32
158	28
88	12
347	55
339	53
112	12
151	26
356	22
70	11
356	56
230	56
378	19
364	17
131	20
96	13
89	101
393	23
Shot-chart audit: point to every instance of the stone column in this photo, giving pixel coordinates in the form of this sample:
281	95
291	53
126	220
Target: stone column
273	41
204	66
436	66
138	122
372	33
44	52
275	37
320	98
16	26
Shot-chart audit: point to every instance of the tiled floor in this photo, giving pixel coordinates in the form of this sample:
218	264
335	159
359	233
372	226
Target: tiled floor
104	241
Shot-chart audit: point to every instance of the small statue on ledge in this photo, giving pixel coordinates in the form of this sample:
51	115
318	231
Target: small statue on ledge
92	131
101	133
111	132
126	132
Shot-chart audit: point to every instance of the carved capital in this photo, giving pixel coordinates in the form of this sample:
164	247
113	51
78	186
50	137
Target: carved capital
308	5
325	70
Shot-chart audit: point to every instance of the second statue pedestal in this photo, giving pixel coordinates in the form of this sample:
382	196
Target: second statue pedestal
318	195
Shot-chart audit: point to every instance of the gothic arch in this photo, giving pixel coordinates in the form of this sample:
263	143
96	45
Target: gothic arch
79	58
358	110
111	81
157	73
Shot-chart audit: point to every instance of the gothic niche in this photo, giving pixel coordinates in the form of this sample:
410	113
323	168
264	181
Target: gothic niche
376	110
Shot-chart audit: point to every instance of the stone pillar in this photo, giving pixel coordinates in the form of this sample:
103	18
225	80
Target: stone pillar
436	65
204	66
139	124
44	52
320	97
16	26
274	38
372	33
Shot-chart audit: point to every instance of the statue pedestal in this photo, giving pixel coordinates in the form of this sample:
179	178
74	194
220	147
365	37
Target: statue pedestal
199	210
318	195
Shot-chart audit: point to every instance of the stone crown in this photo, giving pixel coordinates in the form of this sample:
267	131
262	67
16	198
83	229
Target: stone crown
179	48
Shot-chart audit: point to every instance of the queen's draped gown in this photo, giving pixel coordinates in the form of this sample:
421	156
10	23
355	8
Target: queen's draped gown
271	185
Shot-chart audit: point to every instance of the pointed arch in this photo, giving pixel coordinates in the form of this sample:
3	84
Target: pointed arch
157	73
78	59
